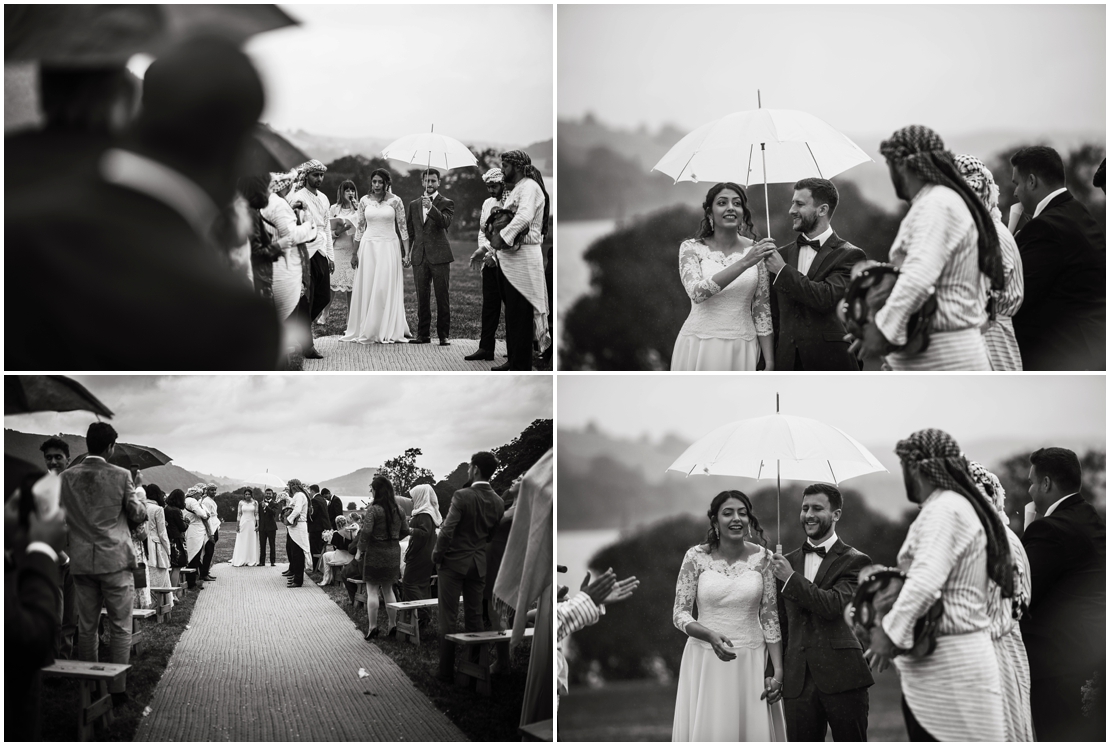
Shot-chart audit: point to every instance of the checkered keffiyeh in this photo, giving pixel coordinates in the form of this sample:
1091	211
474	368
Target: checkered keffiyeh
310	166
938	456
279	181
196	490
914	144
981	181
989	485
493	176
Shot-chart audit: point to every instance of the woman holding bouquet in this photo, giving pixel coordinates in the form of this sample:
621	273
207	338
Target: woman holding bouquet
379	550
246	537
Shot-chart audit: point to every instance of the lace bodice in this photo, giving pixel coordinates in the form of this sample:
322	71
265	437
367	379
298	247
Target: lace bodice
737	600
741	310
379	219
248	514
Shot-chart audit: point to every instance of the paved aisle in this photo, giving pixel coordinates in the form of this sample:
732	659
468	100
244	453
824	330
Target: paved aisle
430	357
262	662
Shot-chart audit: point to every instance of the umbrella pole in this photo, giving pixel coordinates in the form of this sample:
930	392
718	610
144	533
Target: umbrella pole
763	153
778	497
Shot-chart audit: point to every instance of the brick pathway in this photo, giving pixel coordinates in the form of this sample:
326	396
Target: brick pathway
262	662
430	357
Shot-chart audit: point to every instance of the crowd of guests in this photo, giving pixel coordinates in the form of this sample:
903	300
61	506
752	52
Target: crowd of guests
970	293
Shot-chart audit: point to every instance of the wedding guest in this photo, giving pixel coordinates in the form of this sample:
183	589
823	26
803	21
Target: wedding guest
198	534
955	547
1002	346
208	502
290	234
811	276
1099	180
321	258
945	245
263	251
345	238
586	608
176	527
100	503
353	570
158	545
335	505
379	551
1065	628
296	543
495	552
485	259
1062	322
339	556
431	258
416	583
519	247
318	520
55	453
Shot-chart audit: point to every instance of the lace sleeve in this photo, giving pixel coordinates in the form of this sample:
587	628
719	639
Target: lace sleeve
360	223
769	604
687	589
761	304
399	212
689	268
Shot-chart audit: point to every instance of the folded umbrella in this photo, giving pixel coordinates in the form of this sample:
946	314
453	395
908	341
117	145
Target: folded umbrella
25	394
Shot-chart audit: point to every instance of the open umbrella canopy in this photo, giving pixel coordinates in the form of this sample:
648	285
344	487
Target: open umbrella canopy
25	394
129	455
267	479
431	150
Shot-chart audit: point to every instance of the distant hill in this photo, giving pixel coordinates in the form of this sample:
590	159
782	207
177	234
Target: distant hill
355	484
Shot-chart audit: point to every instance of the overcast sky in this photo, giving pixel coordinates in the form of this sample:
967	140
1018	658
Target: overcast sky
478	72
310	427
872	409
863	69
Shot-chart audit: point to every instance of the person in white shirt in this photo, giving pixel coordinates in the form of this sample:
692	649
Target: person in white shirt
485	260
209	505
321	255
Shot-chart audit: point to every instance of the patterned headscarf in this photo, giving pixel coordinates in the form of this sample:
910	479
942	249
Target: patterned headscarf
989	485
493	176
303	170
197	490
279	181
938	456
523	161
981	181
923	151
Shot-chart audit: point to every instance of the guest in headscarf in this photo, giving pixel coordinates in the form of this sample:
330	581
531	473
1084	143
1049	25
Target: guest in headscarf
198	534
321	258
520	261
955	549
289	233
1002	346
946	244
1013	663
485	259
416	583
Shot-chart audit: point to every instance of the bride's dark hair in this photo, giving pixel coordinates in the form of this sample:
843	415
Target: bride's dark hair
711	537
747	227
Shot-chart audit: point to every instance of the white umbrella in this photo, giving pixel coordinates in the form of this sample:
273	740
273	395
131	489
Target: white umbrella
267	479
778	446
764	146
431	151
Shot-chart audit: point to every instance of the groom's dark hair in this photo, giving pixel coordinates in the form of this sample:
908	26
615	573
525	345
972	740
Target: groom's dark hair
836	500
427	171
823	191
486	462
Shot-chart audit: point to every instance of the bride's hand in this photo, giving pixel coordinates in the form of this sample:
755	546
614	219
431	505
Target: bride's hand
354	261
721	645
772	690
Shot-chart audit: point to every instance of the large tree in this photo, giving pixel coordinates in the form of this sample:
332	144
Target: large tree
403	472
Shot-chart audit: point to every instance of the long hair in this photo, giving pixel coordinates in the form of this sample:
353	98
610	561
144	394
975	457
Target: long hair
155	493
295	486
343	188
706	228
176	499
385	178
386	498
711	537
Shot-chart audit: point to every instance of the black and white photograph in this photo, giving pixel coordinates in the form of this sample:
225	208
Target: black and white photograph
832	187
279	187
883	558
278	558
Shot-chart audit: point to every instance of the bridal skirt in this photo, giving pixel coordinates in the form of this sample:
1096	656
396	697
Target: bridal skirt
695	353
719	700
377	294
246	548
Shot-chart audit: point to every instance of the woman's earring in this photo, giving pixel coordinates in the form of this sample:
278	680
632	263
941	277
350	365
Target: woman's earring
749	532
717	532
710	222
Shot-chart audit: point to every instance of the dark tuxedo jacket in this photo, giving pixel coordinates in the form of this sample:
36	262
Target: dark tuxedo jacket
1061	324
318	519
1065	627
469	526
268	517
335	509
803	308
814	632
429	237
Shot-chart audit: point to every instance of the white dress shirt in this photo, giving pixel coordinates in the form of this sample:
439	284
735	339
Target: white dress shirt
813	560
1044	202
806	254
432	197
1056	504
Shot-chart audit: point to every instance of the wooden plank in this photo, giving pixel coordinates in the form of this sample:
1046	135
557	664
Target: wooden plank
86	670
477	638
97	709
541	730
420	604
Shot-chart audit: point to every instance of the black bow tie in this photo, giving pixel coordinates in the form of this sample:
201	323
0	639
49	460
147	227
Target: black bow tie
803	241
819	551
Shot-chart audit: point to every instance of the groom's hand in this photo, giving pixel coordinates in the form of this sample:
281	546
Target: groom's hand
774	262
780	566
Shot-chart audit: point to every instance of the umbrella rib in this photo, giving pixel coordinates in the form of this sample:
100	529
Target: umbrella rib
747	180
815	163
833	472
683	169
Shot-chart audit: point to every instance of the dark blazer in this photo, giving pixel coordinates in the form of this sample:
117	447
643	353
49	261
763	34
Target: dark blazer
803	307
335	508
267	517
1061	324
30	624
469	526
814	633
429	237
1065	627
318	519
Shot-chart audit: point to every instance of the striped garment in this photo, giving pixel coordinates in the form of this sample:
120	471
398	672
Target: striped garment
937	249
524	266
286	234
960	350
954	692
317	205
573	615
1009	649
1002	346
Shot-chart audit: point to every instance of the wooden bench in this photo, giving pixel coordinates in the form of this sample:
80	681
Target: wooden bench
95	679
541	730
136	633
162	604
360	594
480	671
408	621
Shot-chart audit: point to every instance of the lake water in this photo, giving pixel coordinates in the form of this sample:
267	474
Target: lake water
575	548
575	236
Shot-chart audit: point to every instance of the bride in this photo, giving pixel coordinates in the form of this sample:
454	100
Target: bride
246	539
721	679
378	292
723	272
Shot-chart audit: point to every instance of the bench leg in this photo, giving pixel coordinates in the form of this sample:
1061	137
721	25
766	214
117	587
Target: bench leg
84	727
483	684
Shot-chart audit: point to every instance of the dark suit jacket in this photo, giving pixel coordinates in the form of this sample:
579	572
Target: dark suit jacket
118	280
1061	324
469	526
814	632
318	519
803	307
268	517
335	509
30	624
429	237
1065	627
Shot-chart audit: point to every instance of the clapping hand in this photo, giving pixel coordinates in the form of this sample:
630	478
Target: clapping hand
622	589
600	588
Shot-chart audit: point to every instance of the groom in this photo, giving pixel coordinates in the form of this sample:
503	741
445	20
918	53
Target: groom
825	677
811	277
428	219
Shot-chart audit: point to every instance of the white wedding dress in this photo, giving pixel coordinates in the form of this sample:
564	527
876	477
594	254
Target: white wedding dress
378	292
720	332
246	541
719	700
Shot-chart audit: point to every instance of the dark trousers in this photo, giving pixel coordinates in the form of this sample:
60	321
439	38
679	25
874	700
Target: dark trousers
67	612
914	729
549	273
414	588
1057	708
428	277
209	548
812	711
451	585
296	560
318	294
316	541
491	308
519	325
263	537
196	563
